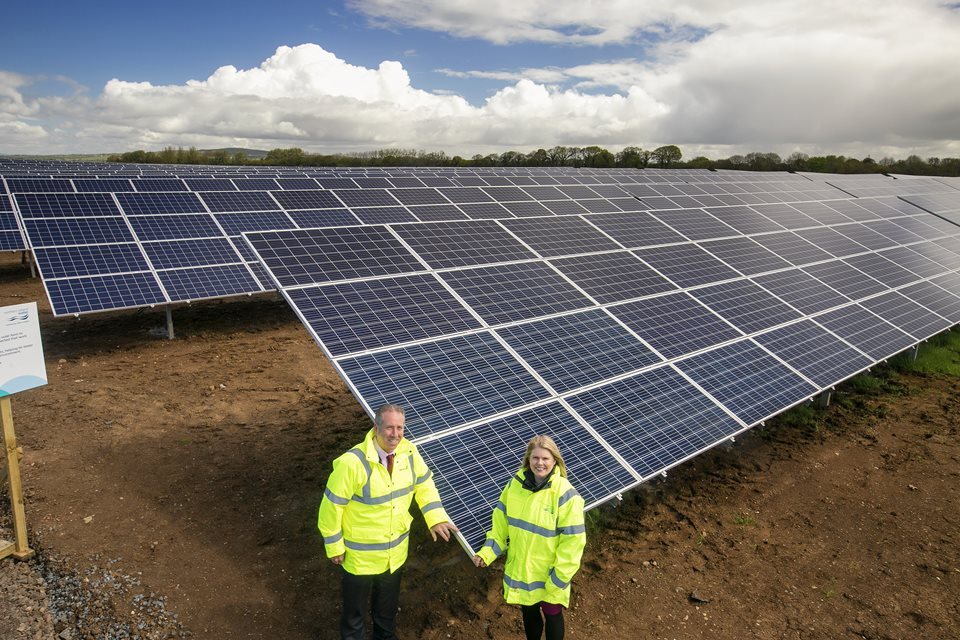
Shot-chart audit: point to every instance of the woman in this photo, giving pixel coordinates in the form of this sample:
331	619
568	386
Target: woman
541	515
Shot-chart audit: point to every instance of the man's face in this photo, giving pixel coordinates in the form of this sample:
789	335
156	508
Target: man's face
390	432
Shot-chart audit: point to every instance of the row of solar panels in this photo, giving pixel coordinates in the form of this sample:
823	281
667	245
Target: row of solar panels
639	327
634	358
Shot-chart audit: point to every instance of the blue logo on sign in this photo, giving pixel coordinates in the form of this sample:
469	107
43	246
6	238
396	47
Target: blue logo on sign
23	314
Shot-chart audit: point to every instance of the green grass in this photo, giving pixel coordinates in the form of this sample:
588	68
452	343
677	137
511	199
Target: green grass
742	520
803	416
939	355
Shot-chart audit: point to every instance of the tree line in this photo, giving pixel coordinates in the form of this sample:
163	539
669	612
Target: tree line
665	157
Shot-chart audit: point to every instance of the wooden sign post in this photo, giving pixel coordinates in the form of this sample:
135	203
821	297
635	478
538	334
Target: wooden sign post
18	548
22	368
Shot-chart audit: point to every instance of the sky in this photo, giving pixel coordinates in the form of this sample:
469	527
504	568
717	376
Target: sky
878	78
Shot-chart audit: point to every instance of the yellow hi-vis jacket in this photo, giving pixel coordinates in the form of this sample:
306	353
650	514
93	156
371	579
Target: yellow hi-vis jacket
365	513
546	535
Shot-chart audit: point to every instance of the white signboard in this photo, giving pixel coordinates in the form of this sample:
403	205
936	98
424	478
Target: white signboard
21	354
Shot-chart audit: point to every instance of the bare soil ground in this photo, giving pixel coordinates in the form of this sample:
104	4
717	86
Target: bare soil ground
193	469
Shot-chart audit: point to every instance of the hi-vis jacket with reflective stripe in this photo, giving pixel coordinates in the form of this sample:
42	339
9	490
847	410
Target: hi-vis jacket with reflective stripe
365	512
546	535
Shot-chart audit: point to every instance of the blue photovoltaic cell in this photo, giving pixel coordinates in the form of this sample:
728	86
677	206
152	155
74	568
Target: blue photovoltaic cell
147	185
831	241
190	253
80	295
907	315
578	350
821	213
236	223
881	269
11	240
65	262
802	291
687	264
438	213
488	455
372	183
148	203
865	331
910	258
54	205
864	235
358	316
209	184
384	215
744	219
507	194
613	277
255	184
361	198
792	248
294	184
745	255
39	185
6	204
236	201
103	185
457	244
655	419
695	224
893	231
324	218
46	232
814	352
565	207
399	182
445	383
462	195
419	196
936	298
598	205
485	211
635	230
747	380
337	183
851	282
307	199
560	236
786	216
514	292
174	227
745	305
315	256
207	282
675	324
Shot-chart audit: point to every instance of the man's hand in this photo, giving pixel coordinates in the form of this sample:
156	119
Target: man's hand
337	560
478	562
444	530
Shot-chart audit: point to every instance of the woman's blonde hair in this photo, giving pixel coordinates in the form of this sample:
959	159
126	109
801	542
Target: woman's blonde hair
545	442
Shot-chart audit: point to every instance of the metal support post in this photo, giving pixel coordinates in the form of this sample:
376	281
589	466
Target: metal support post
170	335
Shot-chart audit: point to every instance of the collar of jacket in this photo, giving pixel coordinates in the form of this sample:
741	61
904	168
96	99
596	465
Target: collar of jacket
370	451
529	482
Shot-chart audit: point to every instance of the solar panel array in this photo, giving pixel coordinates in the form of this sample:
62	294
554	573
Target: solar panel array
640	317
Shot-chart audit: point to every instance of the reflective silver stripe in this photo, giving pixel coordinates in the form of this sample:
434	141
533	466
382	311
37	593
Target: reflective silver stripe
375	546
571	493
532	528
366	467
424	477
572	529
526	586
501	506
334	498
413	473
557	581
430	506
493	546
334	538
366	499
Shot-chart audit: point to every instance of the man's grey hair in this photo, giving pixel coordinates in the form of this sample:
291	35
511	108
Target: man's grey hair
387	408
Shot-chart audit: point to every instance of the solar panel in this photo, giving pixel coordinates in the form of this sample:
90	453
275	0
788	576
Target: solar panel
747	380
579	349
446	383
527	300
514	292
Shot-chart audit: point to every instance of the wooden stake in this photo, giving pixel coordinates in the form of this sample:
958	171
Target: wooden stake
19	549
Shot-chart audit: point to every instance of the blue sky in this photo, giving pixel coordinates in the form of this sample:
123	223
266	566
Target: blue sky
716	77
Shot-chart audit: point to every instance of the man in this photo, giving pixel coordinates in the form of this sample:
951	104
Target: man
365	521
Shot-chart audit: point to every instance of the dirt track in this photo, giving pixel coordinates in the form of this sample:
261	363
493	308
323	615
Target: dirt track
197	465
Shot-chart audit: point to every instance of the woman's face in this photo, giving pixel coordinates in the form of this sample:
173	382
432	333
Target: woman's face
541	463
